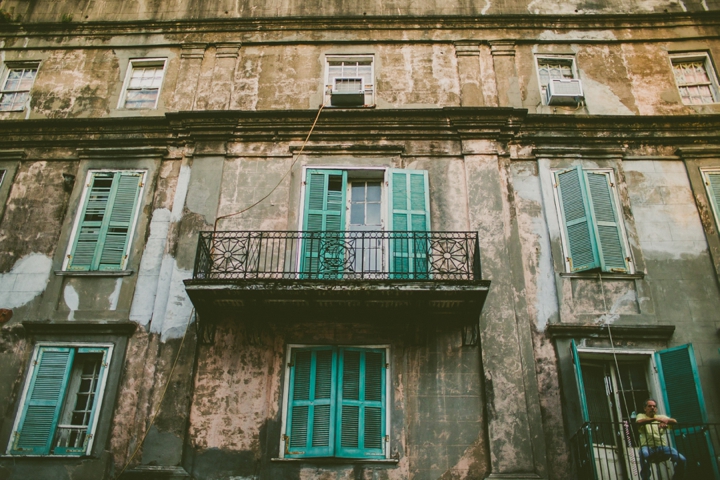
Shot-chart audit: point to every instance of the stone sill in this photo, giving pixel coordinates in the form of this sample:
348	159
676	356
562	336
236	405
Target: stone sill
604	275
338	460
103	273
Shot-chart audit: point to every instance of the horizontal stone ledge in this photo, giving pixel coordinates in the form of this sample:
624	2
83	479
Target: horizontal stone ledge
576	330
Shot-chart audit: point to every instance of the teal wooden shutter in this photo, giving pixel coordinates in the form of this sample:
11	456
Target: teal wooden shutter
361	403
608	231
684	402
577	219
325	199
95	398
43	402
105	221
580	382
712	182
120	215
409	211
311	403
681	385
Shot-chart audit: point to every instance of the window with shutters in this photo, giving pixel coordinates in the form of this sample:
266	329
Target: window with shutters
61	400
101	236
336	403
592	230
554	68
695	78
613	386
349	81
16	84
143	82
711	178
363	202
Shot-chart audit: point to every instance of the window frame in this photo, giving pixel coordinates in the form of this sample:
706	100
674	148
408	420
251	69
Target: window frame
137	63
710	70
8	68
714	204
285	405
81	210
629	261
551	57
329	83
100	397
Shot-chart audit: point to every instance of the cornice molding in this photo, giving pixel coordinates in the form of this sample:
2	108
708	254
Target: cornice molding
364	22
645	332
76	328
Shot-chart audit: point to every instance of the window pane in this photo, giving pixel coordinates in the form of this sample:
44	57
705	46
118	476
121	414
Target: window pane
373	191
373	214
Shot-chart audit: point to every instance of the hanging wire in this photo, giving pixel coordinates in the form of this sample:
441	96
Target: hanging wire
302	148
165	389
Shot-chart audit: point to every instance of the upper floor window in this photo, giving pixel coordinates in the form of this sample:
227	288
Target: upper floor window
349	81
592	230
16	85
103	229
558	78
337	402
711	179
61	400
142	84
695	78
359	201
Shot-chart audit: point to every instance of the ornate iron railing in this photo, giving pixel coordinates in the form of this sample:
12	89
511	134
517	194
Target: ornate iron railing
615	451
337	255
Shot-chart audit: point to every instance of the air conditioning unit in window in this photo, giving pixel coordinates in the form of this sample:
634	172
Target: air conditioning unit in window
347	92
564	92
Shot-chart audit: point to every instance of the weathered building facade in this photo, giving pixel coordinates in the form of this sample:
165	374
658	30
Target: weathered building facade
335	241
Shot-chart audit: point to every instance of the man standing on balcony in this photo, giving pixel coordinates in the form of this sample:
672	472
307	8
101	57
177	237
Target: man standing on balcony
654	441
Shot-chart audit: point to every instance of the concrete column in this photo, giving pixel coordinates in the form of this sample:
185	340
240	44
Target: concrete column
220	81
468	59
514	424
191	59
508	86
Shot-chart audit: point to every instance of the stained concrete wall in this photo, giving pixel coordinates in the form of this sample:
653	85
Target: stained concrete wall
79	11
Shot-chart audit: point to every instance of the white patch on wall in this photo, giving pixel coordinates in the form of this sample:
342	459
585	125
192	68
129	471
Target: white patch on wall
25	281
150	265
172	304
72	300
577	35
528	188
486	7
601	100
180	193
115	295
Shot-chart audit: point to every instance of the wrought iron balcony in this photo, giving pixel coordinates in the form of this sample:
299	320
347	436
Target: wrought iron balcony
615	451
410	273
420	256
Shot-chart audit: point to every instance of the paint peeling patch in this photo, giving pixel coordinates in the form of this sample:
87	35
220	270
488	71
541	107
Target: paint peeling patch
115	295
180	193
72	300
577	35
601	100
172	305
26	280
486	7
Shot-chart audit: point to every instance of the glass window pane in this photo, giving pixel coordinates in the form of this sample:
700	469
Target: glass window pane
358	192
357	214
373	214
373	191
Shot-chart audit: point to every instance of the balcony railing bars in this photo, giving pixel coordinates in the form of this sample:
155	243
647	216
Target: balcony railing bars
614	451
337	255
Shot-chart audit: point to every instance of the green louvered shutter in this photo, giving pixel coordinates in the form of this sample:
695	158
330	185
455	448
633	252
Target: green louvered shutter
91	394
577	220
681	384
712	183
580	382
325	193
586	456
684	402
311	412
606	224
361	424
43	402
106	220
409	211
121	214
